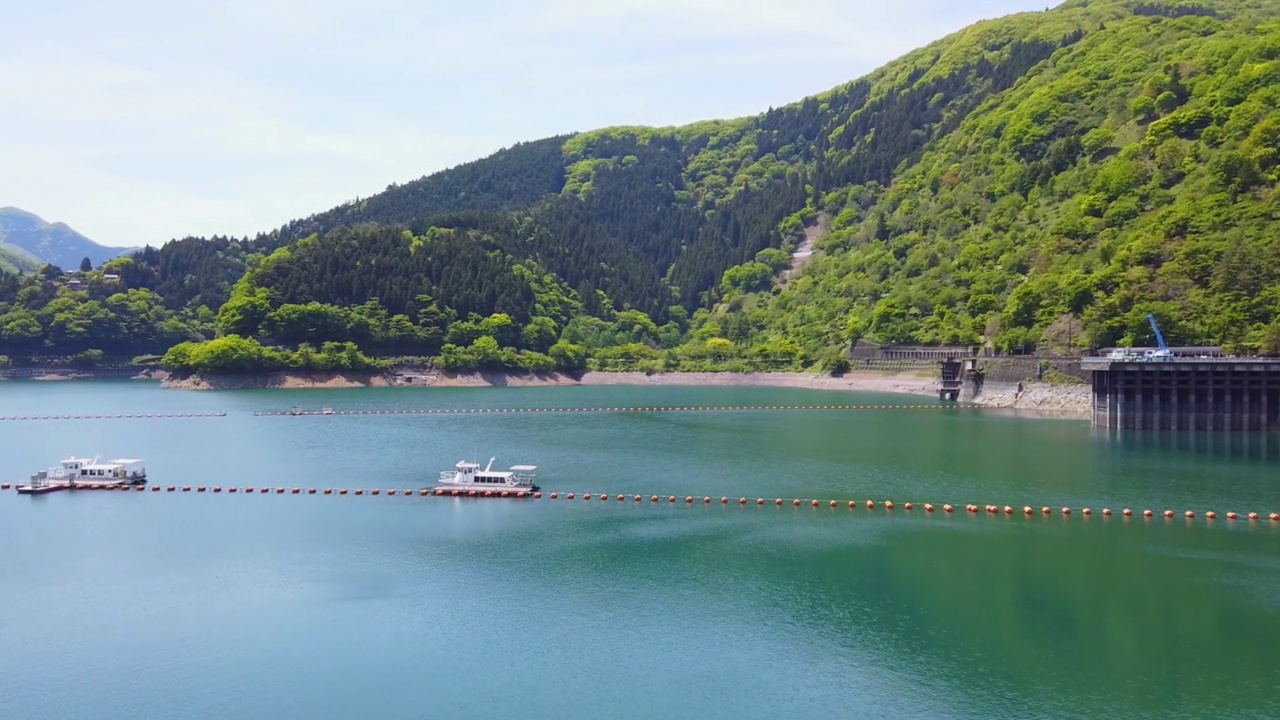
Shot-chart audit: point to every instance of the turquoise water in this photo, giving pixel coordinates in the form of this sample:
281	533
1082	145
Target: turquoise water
246	606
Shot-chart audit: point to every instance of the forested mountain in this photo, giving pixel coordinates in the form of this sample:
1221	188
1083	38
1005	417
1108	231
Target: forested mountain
52	243
1042	180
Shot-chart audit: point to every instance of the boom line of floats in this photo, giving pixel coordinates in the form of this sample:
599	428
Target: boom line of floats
887	505
296	412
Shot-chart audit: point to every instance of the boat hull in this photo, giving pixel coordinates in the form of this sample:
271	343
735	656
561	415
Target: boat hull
480	490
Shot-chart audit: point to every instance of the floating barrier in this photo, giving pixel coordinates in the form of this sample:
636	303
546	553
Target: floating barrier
886	506
697	408
136	416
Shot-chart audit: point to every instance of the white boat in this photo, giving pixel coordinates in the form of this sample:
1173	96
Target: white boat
468	476
91	471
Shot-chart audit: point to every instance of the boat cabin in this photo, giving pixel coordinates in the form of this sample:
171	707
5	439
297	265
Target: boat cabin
469	473
91	469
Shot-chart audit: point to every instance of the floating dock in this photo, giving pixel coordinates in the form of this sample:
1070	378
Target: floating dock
41	489
1185	393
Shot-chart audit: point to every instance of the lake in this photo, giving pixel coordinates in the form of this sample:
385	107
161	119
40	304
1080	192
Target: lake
186	605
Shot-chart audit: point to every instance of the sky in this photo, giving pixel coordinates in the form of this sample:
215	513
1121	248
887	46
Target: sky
139	121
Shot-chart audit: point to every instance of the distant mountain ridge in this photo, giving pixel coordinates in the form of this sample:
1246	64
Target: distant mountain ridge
25	235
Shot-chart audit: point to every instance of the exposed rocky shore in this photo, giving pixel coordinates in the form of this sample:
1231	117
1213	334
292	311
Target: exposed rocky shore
1044	398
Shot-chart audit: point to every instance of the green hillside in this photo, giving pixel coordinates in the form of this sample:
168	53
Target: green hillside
1040	180
14	259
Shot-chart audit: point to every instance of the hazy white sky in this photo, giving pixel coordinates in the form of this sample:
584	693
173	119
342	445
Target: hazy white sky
138	121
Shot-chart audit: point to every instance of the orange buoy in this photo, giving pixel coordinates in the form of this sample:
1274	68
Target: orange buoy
778	501
815	503
834	503
1106	511
1147	513
724	501
653	498
200	489
537	496
1087	511
742	501
637	498
1168	513
1046	510
343	491
888	504
1027	510
171	488
852	504
155	488
870	504
279	491
487	493
1008	510
360	491
947	508
506	493
1275	517
452	493
586	496
706	500
1232	515
907	506
519	494
1127	512
1211	515
796	502
217	489
671	498
375	491
248	489
760	501
553	496
971	508
1253	516
1190	513
605	496
928	507
1066	511
439	492
186	488
231	489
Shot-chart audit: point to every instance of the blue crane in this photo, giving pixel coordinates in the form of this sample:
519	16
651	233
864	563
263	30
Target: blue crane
1164	351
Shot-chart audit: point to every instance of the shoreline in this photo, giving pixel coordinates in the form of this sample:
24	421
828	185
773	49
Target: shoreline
1041	399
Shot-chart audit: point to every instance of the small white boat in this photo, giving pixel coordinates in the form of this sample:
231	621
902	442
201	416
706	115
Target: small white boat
76	471
468	476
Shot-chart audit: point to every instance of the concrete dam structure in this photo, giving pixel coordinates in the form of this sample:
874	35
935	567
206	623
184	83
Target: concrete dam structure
1182	393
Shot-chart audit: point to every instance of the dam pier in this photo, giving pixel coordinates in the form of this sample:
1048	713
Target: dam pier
1185	393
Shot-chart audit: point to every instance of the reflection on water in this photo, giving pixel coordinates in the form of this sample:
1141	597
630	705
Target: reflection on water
1261	446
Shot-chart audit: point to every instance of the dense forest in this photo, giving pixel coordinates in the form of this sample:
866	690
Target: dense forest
1037	182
